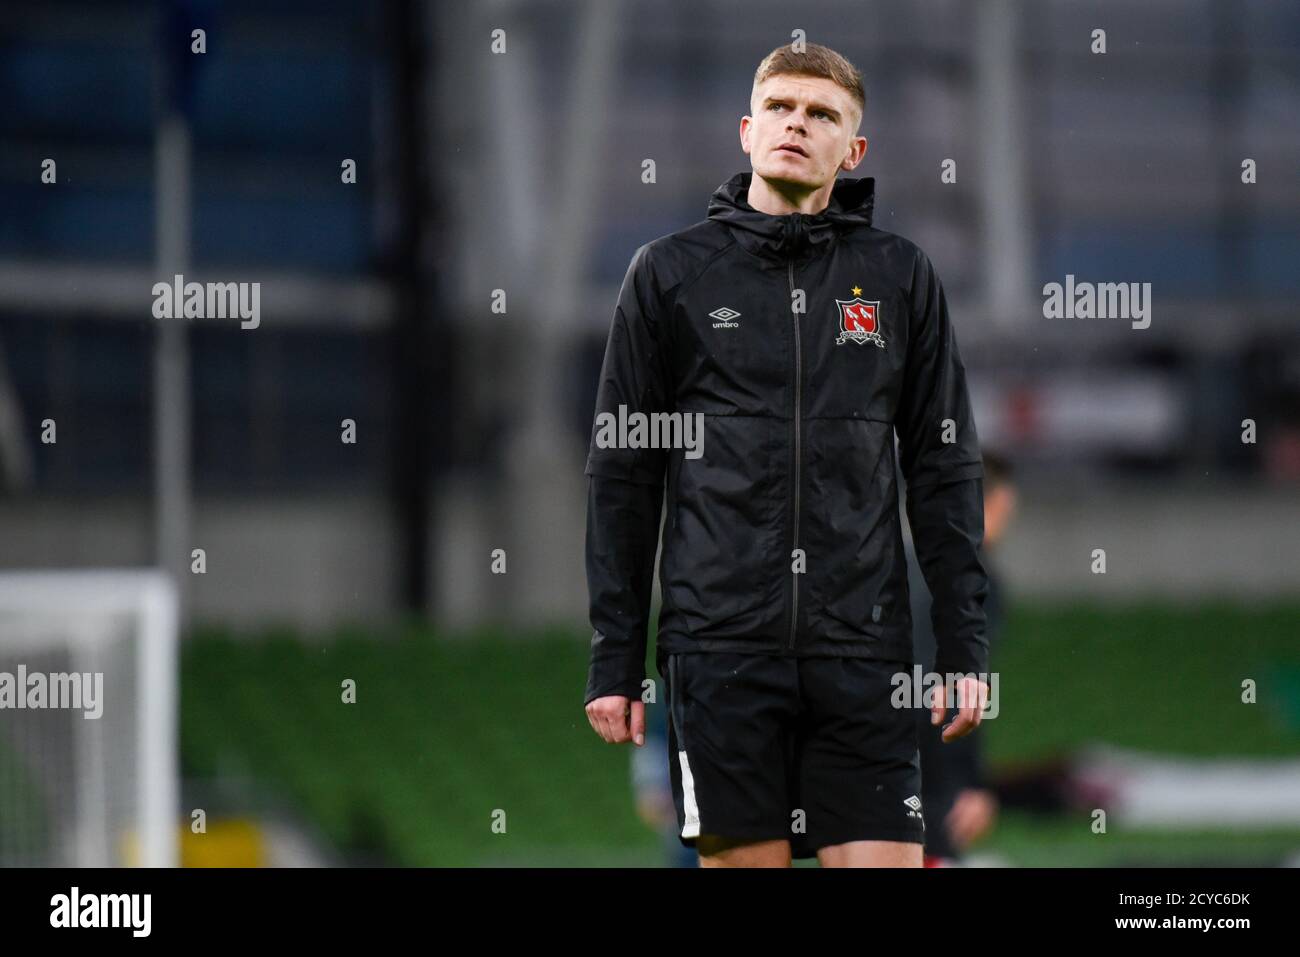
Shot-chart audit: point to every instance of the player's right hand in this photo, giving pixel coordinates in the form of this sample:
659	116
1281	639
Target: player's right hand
617	720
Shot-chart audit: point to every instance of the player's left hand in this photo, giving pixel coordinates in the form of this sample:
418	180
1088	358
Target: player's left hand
972	694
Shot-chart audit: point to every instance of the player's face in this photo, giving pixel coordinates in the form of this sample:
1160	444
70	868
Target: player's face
812	114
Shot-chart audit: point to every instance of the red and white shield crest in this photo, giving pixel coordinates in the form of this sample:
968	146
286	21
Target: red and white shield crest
859	321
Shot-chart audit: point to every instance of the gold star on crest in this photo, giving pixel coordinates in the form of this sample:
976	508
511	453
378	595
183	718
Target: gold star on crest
857	291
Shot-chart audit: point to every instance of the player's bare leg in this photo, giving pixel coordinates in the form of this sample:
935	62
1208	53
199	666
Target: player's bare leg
871	854
725	852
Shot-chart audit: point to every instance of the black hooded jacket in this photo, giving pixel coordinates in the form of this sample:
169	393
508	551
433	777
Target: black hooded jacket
804	342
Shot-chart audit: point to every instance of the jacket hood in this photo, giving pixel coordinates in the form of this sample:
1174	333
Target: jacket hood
794	234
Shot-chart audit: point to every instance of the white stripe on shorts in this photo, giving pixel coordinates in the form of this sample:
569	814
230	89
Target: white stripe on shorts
692	826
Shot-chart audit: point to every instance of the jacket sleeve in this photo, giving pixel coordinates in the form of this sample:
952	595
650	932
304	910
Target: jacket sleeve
625	488
941	461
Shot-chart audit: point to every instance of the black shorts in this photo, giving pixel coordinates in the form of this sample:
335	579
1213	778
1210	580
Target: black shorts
808	750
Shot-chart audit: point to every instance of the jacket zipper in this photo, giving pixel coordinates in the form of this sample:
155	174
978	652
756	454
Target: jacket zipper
798	458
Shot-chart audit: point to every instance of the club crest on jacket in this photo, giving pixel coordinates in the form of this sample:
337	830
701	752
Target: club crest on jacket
859	320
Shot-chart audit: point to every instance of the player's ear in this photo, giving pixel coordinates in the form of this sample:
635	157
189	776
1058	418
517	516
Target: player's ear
855	154
745	122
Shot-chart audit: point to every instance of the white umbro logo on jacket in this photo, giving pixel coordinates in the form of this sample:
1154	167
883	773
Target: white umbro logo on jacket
726	318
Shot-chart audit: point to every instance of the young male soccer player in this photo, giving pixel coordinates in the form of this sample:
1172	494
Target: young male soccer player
805	338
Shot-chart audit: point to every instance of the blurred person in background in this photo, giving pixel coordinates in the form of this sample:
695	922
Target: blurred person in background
960	801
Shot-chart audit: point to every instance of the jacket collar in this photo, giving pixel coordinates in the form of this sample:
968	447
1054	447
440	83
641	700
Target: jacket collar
795	235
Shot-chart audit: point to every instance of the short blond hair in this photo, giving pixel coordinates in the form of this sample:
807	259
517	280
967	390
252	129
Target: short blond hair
814	60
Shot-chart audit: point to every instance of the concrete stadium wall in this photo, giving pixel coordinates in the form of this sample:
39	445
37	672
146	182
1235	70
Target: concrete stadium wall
320	561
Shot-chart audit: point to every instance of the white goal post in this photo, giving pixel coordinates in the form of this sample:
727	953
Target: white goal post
88	719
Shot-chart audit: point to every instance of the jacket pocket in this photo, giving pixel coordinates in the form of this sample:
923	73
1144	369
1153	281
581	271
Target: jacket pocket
723	547
853	531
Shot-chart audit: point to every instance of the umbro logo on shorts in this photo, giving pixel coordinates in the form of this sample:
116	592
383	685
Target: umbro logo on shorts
914	806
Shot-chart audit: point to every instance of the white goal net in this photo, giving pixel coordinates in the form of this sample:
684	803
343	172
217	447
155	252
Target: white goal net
88	717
